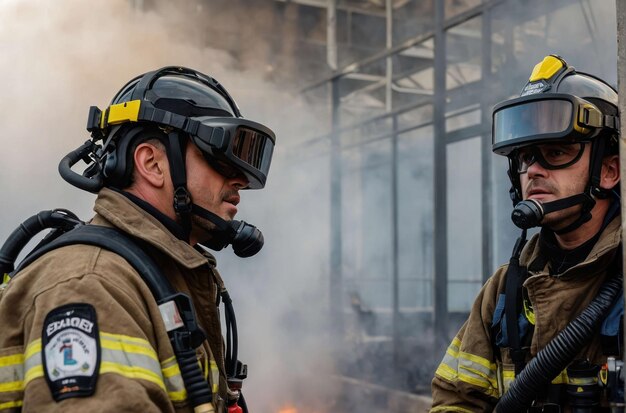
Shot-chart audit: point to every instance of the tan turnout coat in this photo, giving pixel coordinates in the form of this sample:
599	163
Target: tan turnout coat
138	372
469	378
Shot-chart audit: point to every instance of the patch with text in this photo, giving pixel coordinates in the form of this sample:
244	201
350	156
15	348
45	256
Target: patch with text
71	351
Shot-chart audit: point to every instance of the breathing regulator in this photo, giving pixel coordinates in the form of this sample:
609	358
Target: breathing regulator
559	112
178	106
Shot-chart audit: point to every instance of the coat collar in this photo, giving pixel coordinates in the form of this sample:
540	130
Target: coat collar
114	209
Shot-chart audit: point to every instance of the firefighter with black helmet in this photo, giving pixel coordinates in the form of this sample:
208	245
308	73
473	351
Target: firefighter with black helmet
541	329
81	331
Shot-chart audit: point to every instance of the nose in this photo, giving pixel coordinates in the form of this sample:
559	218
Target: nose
536	170
239	182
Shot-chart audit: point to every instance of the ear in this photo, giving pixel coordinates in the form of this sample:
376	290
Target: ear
150	164
610	175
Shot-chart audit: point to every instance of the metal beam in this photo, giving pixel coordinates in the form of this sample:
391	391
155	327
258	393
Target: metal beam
336	272
407	44
440	233
486	154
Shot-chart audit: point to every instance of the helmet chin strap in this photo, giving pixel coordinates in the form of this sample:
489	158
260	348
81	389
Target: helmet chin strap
529	213
246	239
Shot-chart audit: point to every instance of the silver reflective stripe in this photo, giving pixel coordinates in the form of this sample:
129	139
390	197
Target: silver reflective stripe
469	368
173	380
131	357
11	380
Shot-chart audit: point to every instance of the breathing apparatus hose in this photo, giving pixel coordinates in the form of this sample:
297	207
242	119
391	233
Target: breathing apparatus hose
57	219
559	352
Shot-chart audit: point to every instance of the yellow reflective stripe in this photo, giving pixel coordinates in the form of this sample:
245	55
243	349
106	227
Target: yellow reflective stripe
455	343
117	345
449	409
8	405
469	368
11	360
171	371
32	374
11	386
215	376
32	361
132	372
446	372
169	361
33	348
491	367
173	380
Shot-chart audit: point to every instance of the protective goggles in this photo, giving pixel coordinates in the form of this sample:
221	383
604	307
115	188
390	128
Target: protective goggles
549	156
543	118
232	146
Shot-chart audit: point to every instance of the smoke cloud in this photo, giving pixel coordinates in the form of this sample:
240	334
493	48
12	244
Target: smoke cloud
59	58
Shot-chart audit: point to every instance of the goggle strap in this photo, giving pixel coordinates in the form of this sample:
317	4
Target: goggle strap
151	114
595	170
611	122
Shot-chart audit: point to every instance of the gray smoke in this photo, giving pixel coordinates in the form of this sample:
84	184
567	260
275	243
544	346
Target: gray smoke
59	58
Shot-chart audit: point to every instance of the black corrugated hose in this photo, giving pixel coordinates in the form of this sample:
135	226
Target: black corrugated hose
559	352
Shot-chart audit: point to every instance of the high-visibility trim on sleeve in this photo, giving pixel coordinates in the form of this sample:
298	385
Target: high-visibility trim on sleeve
132	372
130	357
11	404
215	376
110	342
469	368
11	369
11	360
173	380
12	380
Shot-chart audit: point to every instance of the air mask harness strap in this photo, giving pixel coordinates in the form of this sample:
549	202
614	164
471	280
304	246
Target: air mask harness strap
515	276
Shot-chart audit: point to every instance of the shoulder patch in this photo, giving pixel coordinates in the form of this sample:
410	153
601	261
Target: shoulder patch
71	351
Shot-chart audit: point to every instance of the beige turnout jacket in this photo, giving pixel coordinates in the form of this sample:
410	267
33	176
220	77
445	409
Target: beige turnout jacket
138	371
470	378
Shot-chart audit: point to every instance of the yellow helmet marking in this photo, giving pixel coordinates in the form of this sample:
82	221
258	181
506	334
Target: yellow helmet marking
123	112
547	68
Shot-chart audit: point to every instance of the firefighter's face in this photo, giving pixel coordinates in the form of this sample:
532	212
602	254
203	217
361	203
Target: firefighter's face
210	190
546	185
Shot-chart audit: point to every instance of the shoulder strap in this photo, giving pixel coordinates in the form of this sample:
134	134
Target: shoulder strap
115	241
515	276
512	308
184	340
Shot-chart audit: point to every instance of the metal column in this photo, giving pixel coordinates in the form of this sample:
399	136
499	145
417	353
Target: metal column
395	295
336	277
395	242
331	34
440	276
486	155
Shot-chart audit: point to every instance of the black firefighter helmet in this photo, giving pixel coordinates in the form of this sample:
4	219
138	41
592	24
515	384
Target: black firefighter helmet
558	105
175	104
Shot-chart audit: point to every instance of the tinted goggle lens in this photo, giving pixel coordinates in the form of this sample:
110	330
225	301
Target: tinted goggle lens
253	147
532	118
549	156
